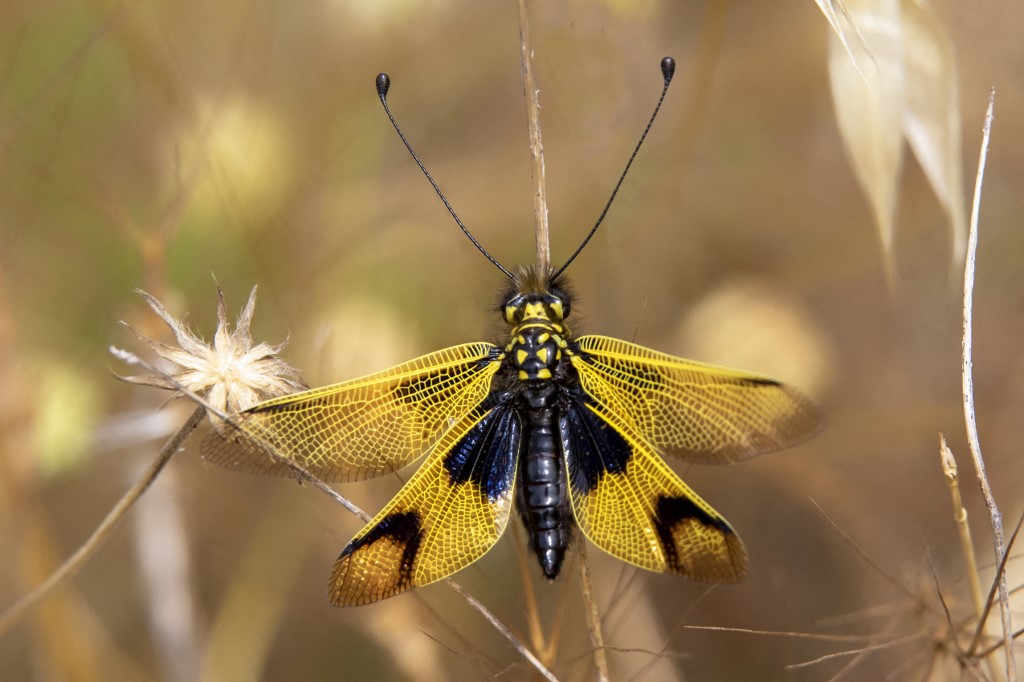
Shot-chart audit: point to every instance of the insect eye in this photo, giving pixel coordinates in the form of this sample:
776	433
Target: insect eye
556	309
558	305
512	309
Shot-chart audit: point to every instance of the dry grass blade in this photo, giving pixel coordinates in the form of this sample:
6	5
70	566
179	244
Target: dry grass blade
99	536
968	395
837	15
931	119
868	94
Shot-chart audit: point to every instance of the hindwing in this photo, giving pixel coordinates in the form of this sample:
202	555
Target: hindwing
453	509
628	502
702	413
363	427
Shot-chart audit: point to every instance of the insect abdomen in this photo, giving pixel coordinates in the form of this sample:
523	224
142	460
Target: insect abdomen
542	498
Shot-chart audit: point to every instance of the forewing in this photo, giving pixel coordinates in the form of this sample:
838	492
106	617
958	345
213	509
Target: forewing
447	516
628	502
359	428
700	412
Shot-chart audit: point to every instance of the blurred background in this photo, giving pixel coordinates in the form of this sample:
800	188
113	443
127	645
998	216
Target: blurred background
158	145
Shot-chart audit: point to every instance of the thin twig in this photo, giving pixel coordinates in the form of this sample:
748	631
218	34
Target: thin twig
821	637
99	536
864	555
540	195
593	617
500	627
855	652
968	390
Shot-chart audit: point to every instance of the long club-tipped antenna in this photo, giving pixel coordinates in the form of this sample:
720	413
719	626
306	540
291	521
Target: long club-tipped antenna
383	84
668	69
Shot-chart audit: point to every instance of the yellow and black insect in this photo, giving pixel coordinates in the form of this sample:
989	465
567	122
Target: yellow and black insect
569	431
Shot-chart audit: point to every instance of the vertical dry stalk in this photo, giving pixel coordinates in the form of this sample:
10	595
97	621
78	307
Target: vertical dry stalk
540	196
968	392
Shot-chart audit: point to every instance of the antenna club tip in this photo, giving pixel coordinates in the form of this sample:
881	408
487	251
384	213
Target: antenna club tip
668	69
383	84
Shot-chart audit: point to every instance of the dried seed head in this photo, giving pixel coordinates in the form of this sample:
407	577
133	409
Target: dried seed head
232	374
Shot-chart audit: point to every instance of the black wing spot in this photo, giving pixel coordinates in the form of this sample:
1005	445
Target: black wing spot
402	529
669	513
379	564
752	381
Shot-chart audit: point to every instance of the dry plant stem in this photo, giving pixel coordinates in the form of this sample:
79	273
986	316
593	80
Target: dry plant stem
302	474
540	195
949	469
990	600
968	390
89	548
907	592
593	617
500	627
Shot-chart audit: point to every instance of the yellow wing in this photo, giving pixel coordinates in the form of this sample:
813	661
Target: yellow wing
446	517
628	502
364	427
703	413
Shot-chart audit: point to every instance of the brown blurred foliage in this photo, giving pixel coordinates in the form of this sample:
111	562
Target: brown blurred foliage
150	144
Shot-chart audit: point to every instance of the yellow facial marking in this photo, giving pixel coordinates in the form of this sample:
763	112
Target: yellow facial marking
556	308
510	312
533	310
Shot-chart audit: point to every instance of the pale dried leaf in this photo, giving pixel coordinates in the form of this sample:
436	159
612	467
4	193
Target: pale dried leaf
931	120
869	107
844	29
